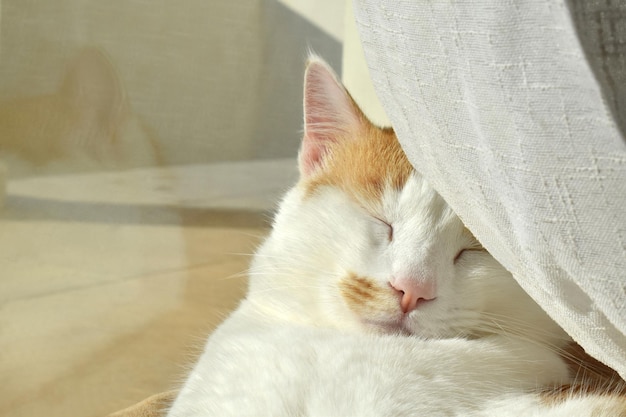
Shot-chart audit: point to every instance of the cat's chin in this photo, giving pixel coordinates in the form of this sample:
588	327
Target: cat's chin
397	327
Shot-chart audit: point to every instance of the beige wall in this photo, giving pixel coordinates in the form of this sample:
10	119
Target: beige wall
216	80
327	15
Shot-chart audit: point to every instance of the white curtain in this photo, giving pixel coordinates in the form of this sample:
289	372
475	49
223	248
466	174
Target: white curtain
515	112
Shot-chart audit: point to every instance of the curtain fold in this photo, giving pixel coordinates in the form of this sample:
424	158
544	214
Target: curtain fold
512	110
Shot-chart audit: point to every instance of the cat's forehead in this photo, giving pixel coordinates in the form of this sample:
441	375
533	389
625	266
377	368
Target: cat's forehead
364	167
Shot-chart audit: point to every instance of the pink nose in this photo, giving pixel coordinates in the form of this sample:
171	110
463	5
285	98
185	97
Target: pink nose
413	292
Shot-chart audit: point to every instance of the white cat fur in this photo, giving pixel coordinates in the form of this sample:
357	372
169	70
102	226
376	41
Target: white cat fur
293	347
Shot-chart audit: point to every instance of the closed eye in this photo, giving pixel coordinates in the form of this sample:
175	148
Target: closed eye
389	228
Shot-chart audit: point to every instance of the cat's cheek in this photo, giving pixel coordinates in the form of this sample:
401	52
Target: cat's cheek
372	259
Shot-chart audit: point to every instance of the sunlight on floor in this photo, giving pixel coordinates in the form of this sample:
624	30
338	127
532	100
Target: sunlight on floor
112	281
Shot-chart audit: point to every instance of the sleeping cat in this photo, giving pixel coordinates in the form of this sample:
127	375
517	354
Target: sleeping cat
86	125
370	298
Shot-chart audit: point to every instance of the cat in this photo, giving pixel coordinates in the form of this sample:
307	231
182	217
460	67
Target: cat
371	298
86	125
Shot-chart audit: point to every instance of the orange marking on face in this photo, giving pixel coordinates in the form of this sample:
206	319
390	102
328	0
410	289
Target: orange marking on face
366	297
364	166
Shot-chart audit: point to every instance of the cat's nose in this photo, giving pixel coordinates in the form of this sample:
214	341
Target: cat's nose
413	292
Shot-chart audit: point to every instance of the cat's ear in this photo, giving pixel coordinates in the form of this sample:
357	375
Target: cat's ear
92	86
330	115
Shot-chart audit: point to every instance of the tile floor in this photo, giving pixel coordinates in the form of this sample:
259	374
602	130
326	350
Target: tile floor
109	283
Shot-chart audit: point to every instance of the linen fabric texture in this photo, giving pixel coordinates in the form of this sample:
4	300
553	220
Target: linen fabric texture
515	112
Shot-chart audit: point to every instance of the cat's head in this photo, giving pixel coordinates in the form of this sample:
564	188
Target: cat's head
364	242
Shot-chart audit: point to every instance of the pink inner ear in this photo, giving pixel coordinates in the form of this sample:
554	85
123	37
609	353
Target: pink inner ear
329	115
310	157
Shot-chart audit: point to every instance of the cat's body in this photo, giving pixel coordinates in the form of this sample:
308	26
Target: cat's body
256	367
370	297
